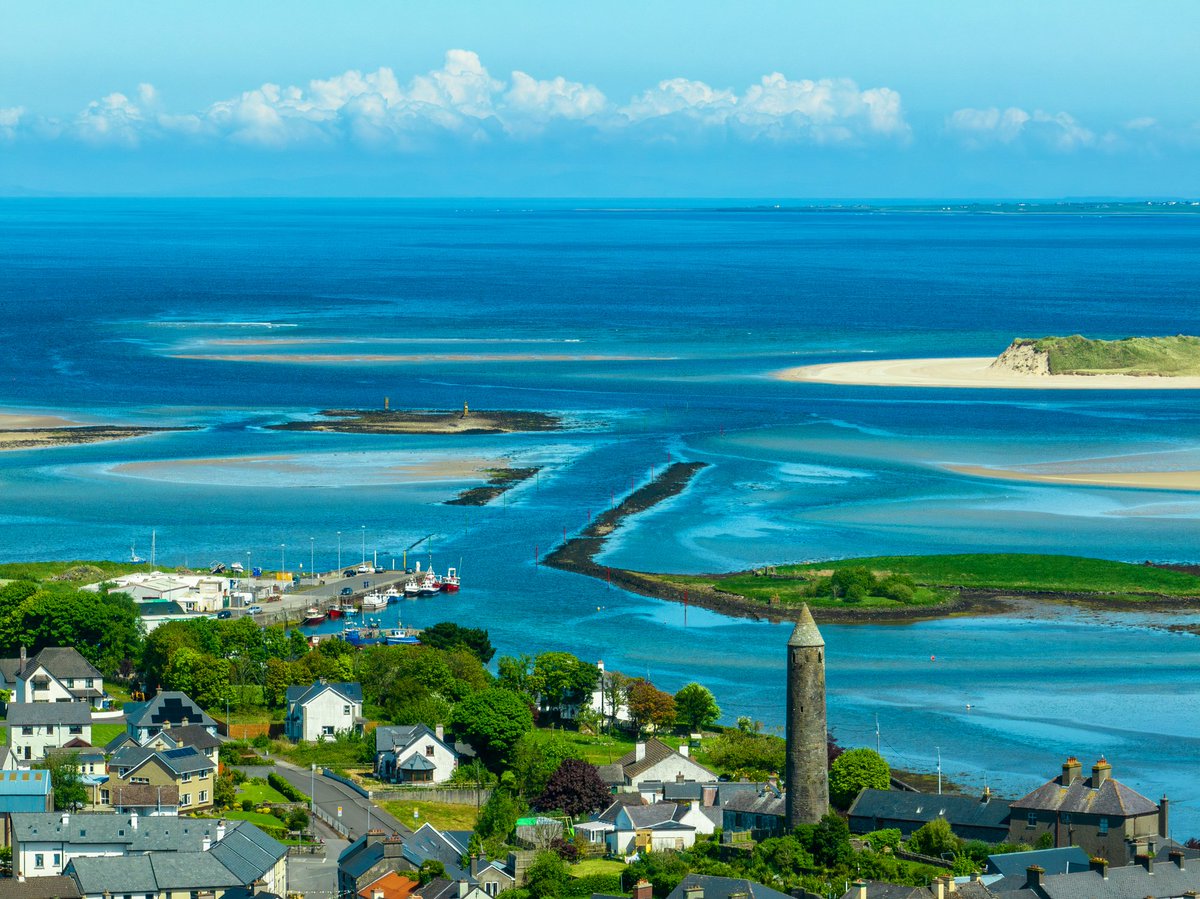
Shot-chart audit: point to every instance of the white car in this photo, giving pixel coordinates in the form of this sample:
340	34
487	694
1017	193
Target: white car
364	569
253	610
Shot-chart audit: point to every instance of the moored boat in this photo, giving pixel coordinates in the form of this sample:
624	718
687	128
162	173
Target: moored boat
313	615
335	611
374	601
450	581
401	636
392	594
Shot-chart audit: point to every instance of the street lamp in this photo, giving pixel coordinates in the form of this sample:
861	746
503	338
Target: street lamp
312	568
312	791
282	559
364	544
339	550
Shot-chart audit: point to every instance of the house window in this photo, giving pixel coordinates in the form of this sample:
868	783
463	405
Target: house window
39	860
327	730
204	795
27	731
185	799
139	780
57	859
429	751
491	888
104	797
345	710
71	682
1102	826
75	729
49	729
187	778
1066	819
1031	819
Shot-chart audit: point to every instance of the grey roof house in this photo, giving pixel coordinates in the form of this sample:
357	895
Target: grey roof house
168	709
981	817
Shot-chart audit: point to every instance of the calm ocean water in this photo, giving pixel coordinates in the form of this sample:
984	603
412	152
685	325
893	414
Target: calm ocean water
655	331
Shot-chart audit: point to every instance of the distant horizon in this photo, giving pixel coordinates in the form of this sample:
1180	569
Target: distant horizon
757	201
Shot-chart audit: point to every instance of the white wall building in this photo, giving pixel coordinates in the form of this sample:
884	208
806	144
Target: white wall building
36	729
413	754
323	710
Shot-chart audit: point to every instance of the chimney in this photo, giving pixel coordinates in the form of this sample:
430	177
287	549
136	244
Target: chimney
939	888
639	753
1164	817
694	891
374	836
393	847
21	667
1033	877
439	731
1146	860
643	890
975	878
1176	857
133	820
860	889
220	830
463	889
684	750
1100	866
206	843
66	819
1071	770
951	886
1101	771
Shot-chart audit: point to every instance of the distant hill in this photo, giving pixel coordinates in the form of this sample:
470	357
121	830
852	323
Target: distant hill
1076	355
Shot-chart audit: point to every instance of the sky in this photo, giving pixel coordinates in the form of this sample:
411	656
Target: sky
923	99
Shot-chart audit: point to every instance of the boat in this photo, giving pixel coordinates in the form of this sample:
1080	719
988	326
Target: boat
450	581
430	585
401	636
335	611
313	615
412	589
375	600
392	594
134	558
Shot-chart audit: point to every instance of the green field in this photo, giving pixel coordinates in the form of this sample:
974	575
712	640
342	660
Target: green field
259	793
591	866
103	734
1077	355
938	577
76	572
442	815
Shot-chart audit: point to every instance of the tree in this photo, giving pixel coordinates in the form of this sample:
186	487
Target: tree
513	673
695	707
202	677
559	679
448	635
224	791
575	788
855	770
547	876
831	841
297	819
650	707
614	694
498	817
492	721
934	838
535	758
744	753
69	791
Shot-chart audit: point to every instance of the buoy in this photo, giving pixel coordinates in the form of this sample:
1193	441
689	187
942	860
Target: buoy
932	658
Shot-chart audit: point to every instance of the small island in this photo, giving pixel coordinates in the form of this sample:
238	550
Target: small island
23	432
500	481
424	421
1046	363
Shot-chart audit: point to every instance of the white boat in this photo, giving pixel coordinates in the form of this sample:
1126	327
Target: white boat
374	601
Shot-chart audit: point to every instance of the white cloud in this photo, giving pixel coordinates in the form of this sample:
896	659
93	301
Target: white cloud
978	128
114	119
10	121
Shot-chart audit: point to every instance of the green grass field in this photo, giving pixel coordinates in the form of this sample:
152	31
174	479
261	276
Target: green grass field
442	815
1169	356
80	572
591	866
103	734
259	793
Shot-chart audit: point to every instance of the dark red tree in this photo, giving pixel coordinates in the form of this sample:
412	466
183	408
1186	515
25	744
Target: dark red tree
574	788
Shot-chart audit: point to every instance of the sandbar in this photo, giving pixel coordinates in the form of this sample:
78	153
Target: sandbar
26	430
973	371
1147	480
456	468
412	358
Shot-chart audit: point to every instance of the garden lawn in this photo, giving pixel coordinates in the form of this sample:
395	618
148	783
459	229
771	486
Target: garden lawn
330	753
590	866
103	734
259	793
265	821
442	815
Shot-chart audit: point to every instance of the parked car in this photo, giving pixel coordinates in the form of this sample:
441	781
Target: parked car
379	569
349	572
364	569
225	613
253	610
347	591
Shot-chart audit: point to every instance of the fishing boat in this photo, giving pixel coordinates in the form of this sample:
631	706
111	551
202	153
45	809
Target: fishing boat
335	611
412	589
450	581
373	601
430	585
392	594
401	636
313	615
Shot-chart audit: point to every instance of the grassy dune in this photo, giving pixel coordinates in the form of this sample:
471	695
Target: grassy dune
1076	355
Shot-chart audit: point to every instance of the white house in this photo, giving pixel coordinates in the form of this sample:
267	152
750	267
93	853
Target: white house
654	760
322	711
658	827
35	729
56	674
413	754
194	593
108	853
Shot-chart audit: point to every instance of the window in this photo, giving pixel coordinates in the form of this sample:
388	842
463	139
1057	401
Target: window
1102	826
1066	819
57	859
327	730
39	860
345	710
187	777
491	888
70	682
429	751
185	799
139	780
27	731
1031	820
104	797
49	729
75	729
90	682
204	795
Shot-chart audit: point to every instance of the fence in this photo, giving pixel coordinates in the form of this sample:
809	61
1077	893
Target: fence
347	781
454	795
338	826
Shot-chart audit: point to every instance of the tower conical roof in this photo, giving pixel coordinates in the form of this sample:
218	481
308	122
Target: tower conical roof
806	633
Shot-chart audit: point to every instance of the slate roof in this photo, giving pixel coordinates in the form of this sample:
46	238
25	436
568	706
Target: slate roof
1128	882
160	607
43	713
620	801
724	887
123	795
187	760
613	775
417	763
688	790
345	689
167	709
896	805
193	735
1111	798
118	741
427	842
399	737
650	815
1052	861
62	661
167	833
768	803
656	751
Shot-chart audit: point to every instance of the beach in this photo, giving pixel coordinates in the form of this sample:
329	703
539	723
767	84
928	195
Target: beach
1145	480
973	371
23	431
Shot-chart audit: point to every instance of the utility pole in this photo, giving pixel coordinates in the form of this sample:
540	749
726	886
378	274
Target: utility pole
339	550
939	752
364	544
312	568
282	558
877	750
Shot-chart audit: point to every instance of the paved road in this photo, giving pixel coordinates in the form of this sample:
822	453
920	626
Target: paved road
316	876
330	795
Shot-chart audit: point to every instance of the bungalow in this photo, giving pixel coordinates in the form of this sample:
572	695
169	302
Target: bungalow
705	886
35	729
323	710
654	760
413	754
56	674
762	815
657	827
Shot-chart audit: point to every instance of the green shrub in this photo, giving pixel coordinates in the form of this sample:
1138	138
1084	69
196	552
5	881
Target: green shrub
289	792
247	805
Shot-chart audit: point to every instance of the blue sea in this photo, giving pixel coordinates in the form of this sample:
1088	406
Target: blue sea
655	332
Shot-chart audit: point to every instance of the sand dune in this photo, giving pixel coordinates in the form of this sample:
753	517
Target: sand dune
968	372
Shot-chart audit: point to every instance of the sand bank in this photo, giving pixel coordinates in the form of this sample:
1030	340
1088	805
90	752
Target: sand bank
456	468
969	372
24	431
25	420
412	358
1147	480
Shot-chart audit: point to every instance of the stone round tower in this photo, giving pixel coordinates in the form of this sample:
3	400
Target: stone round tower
807	755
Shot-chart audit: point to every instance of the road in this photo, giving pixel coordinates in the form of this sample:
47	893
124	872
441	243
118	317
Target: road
330	795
